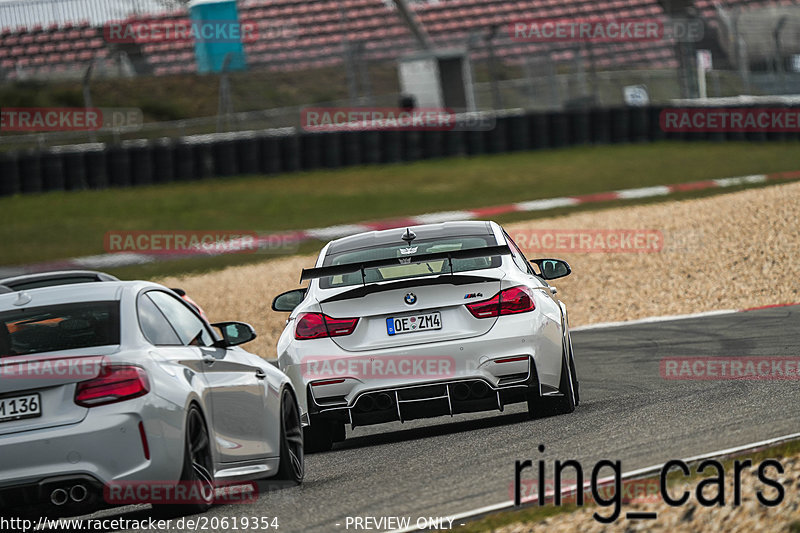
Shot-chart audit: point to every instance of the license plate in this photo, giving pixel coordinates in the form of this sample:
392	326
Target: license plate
412	324
16	407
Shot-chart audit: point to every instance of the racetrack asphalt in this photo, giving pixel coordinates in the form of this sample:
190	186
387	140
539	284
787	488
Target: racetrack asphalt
628	412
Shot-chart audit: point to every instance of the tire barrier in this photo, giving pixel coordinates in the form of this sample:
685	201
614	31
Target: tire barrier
600	130
183	159
654	131
391	143
518	133
579	124
639	124
9	174
539	124
495	140
75	169
290	153
119	167
53	172
559	129
620	125
310	151
224	155
370	145
96	167
332	146
141	157
285	150
351	149
475	142
164	167
203	158
269	154
247	154
30	172
455	143
432	144
412	144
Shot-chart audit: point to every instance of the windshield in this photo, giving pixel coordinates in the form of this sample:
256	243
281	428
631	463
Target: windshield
59	327
412	270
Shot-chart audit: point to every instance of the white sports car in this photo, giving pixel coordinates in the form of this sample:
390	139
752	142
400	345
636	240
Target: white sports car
425	321
120	392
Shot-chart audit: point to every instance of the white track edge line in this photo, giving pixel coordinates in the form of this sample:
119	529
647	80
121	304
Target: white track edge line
627	475
653	319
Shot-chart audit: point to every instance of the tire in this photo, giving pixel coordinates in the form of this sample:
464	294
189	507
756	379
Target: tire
292	464
319	436
198	466
546	406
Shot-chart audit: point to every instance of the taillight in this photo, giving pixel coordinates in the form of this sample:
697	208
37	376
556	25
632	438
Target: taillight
317	325
506	302
114	384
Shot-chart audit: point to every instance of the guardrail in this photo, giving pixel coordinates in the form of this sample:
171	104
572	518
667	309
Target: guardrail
196	157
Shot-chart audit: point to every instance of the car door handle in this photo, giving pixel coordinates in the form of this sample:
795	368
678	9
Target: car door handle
209	360
553	290
260	374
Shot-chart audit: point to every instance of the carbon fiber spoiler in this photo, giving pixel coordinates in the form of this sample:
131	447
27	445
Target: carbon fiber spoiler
349	268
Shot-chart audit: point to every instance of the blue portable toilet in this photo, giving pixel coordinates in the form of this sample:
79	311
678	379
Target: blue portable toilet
217	32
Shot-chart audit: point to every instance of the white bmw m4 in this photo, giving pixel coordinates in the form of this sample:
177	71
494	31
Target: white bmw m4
425	321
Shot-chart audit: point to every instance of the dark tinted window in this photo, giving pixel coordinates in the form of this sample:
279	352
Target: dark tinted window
519	258
154	324
412	270
59	327
190	328
52	282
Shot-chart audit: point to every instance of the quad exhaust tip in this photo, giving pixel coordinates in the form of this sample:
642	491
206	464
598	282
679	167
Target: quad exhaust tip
384	401
479	389
59	497
78	493
460	391
366	403
370	402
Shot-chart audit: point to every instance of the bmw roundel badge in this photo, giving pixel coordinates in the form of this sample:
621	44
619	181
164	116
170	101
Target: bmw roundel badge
410	298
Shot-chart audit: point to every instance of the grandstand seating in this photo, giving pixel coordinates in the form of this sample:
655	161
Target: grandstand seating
298	35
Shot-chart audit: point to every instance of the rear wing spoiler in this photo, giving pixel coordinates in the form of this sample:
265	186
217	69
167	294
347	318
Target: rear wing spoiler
471	253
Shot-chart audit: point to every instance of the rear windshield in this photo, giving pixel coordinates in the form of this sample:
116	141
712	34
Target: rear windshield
59	327
413	270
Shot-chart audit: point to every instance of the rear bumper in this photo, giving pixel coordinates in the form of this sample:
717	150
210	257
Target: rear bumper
106	446
533	337
367	404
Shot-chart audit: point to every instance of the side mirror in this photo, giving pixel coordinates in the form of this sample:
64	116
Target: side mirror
288	300
234	333
552	268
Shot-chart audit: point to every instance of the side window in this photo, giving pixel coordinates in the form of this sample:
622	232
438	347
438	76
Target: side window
519	258
190	327
154	324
